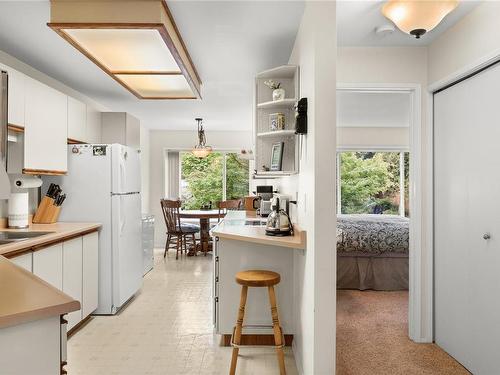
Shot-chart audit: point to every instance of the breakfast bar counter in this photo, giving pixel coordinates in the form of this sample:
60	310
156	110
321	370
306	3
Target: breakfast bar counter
241	243
246	226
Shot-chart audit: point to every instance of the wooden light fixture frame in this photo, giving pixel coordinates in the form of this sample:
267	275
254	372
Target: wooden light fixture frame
185	64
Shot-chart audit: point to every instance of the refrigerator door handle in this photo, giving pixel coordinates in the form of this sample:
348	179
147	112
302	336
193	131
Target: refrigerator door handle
123	218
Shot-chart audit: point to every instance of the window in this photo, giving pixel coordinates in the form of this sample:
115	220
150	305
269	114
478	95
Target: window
373	183
219	176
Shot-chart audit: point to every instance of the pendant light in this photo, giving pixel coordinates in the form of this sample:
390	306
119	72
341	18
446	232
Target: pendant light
416	17
201	150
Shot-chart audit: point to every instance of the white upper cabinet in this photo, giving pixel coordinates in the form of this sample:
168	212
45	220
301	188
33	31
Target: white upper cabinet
46	129
122	128
93	125
77	120
16	96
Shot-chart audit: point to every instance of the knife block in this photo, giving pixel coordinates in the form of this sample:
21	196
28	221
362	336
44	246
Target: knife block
47	212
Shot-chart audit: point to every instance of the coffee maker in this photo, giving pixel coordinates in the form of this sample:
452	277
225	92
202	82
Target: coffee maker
265	194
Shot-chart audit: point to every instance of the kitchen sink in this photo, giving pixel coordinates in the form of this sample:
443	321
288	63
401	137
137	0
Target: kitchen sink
11	236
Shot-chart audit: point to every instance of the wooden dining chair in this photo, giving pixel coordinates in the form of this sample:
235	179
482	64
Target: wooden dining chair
176	229
229	205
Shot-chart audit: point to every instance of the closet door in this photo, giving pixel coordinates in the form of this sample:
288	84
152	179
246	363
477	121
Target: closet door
467	221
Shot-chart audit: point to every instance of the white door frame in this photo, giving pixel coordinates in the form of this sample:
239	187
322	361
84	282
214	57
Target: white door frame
417	257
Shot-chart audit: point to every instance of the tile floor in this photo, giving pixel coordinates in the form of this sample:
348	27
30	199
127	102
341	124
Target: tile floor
165	329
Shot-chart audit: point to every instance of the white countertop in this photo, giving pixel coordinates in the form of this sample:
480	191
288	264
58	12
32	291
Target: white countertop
233	227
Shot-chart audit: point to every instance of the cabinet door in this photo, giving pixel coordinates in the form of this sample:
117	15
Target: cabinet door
25	261
72	276
133	132
45	136
77	120
90	273
93	125
16	96
48	265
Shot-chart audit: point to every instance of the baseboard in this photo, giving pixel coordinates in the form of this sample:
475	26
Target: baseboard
79	326
249	339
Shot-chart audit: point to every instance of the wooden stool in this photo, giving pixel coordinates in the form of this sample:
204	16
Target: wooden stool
258	279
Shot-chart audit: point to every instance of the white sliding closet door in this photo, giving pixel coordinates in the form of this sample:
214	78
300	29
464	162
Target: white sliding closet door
466	213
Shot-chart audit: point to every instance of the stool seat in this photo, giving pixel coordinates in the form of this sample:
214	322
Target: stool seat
257	278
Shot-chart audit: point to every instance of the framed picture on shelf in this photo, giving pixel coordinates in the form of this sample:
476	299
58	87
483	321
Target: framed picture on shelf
277	156
276	121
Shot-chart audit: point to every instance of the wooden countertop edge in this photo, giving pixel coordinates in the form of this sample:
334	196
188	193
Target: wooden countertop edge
38	314
289	242
63	303
39	245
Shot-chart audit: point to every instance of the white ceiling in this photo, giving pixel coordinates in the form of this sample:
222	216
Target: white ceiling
373	109
229	42
357	20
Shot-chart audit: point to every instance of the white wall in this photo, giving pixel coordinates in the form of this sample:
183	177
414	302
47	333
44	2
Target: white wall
472	39
145	173
315	268
161	140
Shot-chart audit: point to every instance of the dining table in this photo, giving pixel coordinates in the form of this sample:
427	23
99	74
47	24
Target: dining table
204	217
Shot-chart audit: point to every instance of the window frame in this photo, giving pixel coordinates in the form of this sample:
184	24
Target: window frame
400	150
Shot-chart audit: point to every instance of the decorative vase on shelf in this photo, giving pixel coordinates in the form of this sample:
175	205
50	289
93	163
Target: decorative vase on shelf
278	94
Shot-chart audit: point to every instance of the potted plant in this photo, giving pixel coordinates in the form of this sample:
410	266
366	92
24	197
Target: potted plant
278	92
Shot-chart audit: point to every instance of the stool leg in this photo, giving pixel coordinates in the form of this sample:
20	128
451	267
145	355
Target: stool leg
237	332
277	330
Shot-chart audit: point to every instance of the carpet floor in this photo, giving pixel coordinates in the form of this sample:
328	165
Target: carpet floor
372	338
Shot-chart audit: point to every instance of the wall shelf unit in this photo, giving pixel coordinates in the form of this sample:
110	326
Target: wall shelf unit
265	137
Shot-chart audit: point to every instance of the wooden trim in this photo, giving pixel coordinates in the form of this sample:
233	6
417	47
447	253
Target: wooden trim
44	245
174	25
15	128
252	339
177	57
145	72
72	141
107	25
79	326
162	30
44	172
34	248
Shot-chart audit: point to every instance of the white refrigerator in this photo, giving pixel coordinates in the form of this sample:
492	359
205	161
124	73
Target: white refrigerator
103	185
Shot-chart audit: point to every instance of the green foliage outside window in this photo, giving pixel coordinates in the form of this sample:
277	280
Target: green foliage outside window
370	182
202	179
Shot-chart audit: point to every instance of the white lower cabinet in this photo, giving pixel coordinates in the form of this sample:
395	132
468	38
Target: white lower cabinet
72	276
90	296
71	266
48	265
25	261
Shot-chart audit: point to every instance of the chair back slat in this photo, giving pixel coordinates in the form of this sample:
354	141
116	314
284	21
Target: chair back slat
229	205
170	210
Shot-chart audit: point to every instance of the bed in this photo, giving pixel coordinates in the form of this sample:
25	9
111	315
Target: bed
372	252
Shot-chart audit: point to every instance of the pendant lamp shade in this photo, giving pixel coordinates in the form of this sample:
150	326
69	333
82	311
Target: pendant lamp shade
201	150
416	17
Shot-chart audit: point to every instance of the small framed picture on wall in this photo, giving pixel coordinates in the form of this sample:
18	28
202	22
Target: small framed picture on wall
277	156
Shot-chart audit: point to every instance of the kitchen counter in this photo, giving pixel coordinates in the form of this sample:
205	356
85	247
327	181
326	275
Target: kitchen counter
233	227
25	297
60	232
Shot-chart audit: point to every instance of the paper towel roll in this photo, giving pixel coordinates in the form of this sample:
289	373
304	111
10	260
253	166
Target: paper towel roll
27	182
18	210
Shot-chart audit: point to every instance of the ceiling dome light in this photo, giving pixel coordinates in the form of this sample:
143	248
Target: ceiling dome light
416	17
201	150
